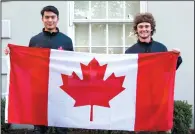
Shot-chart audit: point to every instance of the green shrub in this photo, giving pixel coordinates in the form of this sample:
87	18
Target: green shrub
4	126
182	117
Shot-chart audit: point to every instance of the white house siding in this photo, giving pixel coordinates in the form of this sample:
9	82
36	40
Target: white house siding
175	28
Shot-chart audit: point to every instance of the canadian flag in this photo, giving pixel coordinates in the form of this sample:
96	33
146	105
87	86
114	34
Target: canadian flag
132	92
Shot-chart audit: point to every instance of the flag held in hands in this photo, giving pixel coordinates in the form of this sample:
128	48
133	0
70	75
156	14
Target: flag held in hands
132	92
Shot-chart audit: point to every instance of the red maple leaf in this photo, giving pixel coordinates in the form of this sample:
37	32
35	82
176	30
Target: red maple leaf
92	89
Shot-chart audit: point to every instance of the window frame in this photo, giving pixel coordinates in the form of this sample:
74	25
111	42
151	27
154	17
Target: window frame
72	21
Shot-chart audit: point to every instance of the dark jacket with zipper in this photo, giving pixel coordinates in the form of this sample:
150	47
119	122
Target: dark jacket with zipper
55	40
151	47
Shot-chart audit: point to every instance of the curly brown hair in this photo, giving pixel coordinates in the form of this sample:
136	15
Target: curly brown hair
144	17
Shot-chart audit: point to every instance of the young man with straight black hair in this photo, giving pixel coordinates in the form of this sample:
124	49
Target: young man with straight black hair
52	38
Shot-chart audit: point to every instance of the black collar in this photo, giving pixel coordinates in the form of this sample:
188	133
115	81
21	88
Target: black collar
51	34
145	43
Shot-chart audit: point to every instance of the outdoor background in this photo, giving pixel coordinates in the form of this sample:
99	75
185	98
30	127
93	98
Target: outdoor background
105	27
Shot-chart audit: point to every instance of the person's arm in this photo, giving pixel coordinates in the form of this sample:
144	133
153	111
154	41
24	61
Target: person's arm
31	43
69	44
179	60
129	50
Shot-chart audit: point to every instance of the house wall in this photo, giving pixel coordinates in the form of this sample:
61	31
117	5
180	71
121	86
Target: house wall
174	28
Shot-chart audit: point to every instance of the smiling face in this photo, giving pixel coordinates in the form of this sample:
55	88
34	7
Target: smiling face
144	30
50	20
144	26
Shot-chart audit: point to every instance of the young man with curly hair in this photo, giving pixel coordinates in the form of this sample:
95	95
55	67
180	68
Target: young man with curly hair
144	27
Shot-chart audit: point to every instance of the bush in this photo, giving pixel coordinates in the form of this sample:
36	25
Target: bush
182	117
4	126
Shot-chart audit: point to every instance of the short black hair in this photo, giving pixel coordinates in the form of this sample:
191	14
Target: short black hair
50	9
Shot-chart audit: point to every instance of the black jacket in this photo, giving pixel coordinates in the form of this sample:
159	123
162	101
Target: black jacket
56	40
151	47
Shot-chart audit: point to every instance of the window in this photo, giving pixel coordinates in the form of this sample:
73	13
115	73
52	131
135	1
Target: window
103	26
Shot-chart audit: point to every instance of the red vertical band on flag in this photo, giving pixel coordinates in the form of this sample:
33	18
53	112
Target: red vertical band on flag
154	95
28	88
